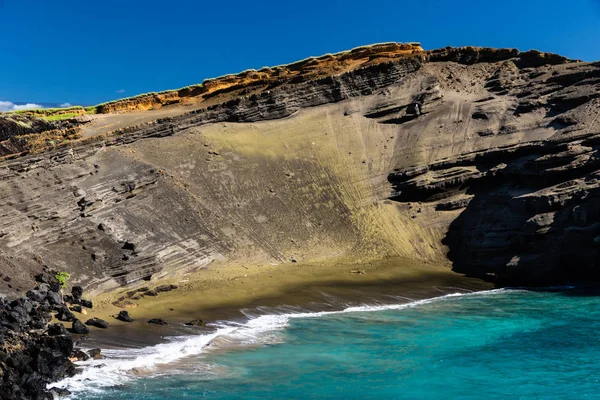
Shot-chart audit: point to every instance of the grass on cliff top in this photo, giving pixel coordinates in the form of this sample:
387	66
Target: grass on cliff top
48	111
60	117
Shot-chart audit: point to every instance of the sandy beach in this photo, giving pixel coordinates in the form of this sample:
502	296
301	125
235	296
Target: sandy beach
233	292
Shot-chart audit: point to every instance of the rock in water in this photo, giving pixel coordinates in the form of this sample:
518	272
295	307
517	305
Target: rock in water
124	316
96	354
97	322
80	355
157	321
196	322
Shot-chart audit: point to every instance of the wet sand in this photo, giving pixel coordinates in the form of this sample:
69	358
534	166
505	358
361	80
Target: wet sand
236	292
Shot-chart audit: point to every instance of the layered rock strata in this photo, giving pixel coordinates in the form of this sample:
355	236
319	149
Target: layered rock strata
484	157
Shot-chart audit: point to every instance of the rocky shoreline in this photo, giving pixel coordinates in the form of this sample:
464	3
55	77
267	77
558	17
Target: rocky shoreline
35	352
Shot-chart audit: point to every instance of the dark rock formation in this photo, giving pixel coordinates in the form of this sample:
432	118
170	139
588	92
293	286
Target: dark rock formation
77	292
97	322
124	316
33	353
79	328
165	288
86	303
529	208
96	353
157	321
196	322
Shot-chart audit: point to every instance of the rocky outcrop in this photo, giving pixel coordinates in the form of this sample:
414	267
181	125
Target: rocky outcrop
33	353
528	208
253	81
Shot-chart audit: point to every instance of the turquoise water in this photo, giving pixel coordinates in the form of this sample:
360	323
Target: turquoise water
496	345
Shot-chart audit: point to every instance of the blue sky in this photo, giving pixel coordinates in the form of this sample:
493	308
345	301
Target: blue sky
87	52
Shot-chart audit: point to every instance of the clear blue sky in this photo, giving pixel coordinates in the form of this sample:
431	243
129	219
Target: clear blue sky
86	52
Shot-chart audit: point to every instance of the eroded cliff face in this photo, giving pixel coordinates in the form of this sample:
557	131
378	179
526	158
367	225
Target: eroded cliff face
483	157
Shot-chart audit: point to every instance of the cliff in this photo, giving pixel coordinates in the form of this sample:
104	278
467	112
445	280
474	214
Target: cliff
483	158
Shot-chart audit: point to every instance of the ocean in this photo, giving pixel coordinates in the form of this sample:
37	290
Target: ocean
498	344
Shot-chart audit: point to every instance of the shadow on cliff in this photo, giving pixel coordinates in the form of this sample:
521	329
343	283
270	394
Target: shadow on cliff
513	239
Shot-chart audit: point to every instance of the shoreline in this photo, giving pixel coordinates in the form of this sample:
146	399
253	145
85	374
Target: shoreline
233	292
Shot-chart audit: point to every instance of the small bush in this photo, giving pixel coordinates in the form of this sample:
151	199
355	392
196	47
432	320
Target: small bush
62	278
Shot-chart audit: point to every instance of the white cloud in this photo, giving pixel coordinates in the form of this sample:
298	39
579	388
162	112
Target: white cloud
28	106
10	106
121	91
63	105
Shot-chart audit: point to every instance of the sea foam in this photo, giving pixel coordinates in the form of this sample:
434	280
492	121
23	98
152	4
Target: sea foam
123	365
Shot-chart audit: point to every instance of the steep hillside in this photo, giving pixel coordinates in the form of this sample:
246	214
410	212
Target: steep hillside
480	157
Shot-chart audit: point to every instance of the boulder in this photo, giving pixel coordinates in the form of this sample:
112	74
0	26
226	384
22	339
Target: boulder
54	298
43	278
86	303
97	322
96	354
80	355
76	308
157	321
77	292
124	316
64	314
196	322
36	295
165	288
57	329
79	328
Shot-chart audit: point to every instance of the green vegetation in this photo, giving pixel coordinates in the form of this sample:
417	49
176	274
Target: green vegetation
60	117
62	278
49	111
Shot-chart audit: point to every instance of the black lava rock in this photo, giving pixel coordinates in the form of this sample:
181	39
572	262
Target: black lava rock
76	309
157	321
165	288
86	303
97	322
77	292
79	328
196	322
36	295
124	316
37	353
54	298
64	314
57	329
